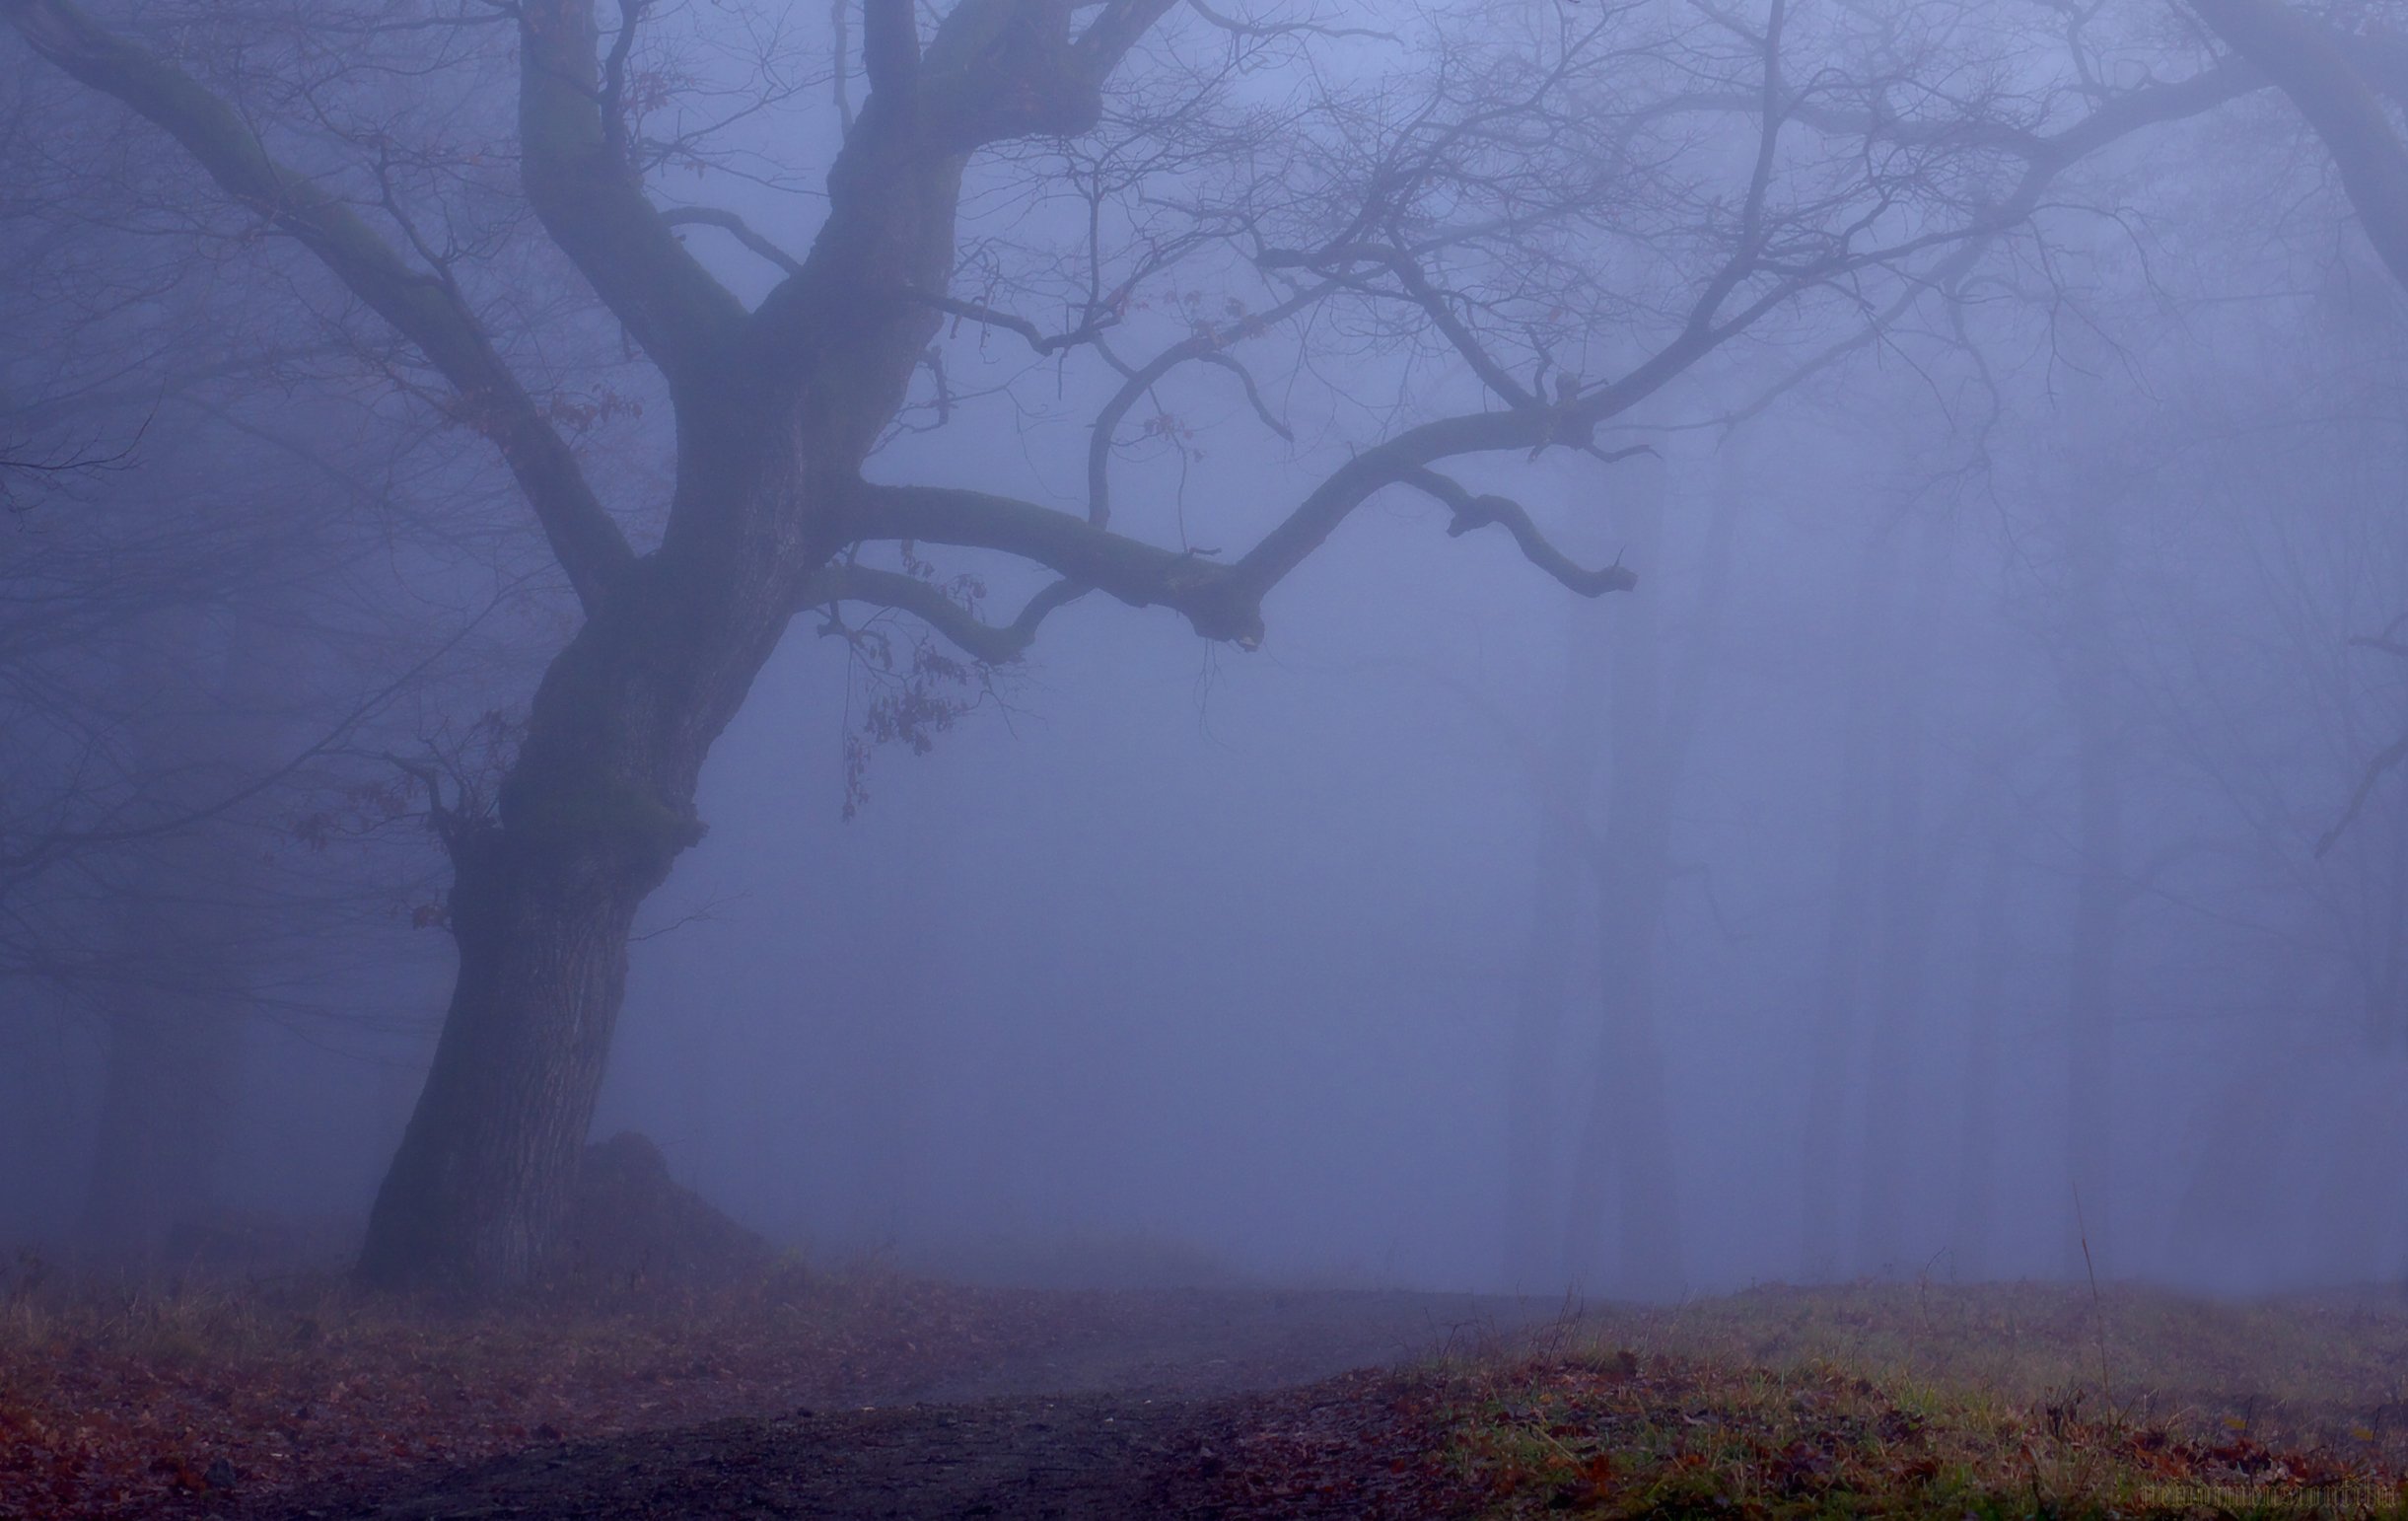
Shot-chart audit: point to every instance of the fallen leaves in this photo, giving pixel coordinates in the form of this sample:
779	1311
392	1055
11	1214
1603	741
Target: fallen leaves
140	1404
127	1402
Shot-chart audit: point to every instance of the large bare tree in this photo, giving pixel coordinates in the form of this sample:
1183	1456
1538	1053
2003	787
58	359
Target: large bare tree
1509	226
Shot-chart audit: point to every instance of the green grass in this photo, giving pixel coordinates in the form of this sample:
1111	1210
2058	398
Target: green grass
1990	1400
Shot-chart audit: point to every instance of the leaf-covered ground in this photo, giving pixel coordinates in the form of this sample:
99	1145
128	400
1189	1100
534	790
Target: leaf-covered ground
136	1400
126	1400
881	1395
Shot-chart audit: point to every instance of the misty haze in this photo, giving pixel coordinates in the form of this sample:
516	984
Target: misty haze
1203	757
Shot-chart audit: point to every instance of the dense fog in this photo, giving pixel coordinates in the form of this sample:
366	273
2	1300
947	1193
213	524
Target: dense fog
1974	847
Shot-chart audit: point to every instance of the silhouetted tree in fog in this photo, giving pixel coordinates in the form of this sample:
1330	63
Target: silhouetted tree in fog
1537	219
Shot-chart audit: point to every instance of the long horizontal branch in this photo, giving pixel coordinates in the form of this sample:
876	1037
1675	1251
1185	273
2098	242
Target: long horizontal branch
1224	600
1143	575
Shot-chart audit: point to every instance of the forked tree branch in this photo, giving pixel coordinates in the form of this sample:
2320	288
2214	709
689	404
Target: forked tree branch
592	201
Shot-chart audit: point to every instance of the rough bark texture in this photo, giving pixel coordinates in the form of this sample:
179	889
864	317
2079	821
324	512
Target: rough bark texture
483	1178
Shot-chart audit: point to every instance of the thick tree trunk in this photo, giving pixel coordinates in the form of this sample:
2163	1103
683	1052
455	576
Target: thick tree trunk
773	432
777	406
482	1183
597	806
2310	59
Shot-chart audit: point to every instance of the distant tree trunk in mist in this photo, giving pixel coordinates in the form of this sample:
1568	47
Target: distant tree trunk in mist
1840	984
171	1058
2086	676
891	1115
1626	1143
1625	1148
1534	1139
173	1003
1985	1002
1908	883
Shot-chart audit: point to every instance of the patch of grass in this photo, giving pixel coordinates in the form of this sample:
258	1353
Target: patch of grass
2321	1369
1991	1401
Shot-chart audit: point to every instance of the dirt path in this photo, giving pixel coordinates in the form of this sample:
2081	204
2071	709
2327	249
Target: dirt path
1195	1343
1100	1456
1124	1415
